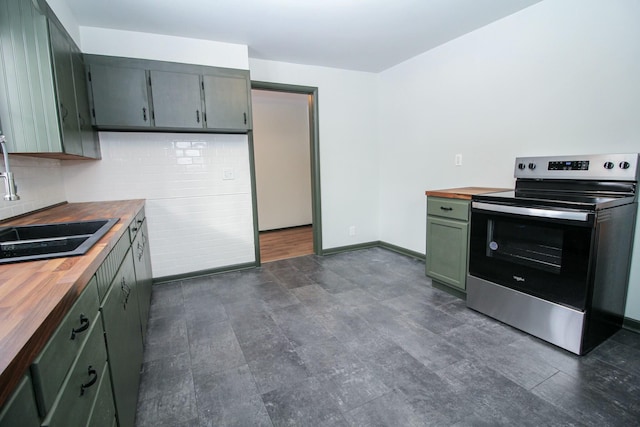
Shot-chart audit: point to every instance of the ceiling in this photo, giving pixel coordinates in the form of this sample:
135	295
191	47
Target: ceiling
363	35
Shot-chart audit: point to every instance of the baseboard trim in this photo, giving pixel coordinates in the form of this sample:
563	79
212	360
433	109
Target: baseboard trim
349	248
631	324
330	251
402	251
375	244
191	275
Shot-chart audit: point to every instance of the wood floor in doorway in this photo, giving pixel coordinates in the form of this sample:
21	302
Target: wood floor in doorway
286	243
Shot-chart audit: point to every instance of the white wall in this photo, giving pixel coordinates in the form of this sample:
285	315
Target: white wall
197	219
282	158
560	77
66	17
131	44
39	184
348	146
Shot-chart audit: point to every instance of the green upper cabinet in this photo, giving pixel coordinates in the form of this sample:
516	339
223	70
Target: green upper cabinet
88	135
164	96
177	100
67	108
41	89
227	102
120	97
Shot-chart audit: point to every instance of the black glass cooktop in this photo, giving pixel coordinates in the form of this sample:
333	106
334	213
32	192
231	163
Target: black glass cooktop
555	199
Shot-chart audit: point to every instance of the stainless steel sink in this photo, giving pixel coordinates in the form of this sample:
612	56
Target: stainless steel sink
42	241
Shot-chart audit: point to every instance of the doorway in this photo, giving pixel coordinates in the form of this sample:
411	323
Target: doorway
285	171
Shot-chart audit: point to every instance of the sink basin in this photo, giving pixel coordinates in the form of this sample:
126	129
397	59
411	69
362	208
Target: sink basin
42	241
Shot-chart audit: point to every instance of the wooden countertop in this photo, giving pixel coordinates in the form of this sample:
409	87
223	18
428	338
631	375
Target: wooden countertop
464	193
36	295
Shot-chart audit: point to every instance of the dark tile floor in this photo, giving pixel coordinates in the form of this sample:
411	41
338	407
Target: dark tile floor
362	339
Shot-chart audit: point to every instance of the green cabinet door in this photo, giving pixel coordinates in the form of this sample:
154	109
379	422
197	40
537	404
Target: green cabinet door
121	321
28	109
177	100
66	96
120	96
142	264
447	251
227	102
20	409
88	135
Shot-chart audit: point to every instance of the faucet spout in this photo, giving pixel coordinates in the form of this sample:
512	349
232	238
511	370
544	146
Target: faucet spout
9	182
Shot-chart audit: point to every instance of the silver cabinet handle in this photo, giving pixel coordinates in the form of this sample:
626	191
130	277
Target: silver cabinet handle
535	212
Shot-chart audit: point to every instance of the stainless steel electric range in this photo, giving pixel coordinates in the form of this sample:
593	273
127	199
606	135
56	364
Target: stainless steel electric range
552	257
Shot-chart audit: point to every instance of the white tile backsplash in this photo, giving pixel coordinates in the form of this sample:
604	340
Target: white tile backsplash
197	220
39	184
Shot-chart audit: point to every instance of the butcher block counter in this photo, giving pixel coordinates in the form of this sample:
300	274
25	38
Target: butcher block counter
463	193
36	295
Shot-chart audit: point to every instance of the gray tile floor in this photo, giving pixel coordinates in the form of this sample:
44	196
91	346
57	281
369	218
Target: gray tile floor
362	339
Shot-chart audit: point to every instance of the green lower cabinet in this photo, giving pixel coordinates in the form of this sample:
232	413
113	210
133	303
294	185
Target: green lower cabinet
80	390
142	263
121	321
51	367
103	413
447	253
20	409
447	242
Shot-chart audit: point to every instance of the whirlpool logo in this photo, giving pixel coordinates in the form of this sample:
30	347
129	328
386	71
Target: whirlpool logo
518	279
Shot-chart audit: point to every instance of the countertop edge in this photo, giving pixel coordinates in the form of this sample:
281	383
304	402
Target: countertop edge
70	275
463	193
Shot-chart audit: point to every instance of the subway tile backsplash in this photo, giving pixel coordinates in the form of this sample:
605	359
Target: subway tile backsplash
199	218
39	183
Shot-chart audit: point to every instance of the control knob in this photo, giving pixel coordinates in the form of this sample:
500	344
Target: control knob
532	166
609	165
624	165
521	166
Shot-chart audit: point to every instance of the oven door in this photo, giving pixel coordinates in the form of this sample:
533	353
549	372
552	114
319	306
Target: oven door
537	251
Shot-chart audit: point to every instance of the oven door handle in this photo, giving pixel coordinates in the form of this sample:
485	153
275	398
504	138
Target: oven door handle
535	212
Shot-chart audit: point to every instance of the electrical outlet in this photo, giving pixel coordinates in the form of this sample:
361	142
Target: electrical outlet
352	230
458	160
228	174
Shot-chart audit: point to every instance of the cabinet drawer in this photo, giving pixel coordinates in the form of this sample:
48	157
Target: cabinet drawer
51	366
107	271
78	394
136	225
448	208
20	410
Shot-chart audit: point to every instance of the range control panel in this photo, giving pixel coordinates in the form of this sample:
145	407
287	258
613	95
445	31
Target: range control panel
620	167
569	165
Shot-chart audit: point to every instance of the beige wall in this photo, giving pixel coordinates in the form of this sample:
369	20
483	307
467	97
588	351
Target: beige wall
282	155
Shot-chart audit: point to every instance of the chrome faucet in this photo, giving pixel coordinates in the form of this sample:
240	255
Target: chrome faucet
9	182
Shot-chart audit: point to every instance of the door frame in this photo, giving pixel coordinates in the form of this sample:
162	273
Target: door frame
314	141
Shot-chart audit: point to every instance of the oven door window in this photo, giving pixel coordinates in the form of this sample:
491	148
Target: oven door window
547	259
530	245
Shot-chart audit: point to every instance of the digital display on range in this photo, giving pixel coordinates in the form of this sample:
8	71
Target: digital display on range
569	165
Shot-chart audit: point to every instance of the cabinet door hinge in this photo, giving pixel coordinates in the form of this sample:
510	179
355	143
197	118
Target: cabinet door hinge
89	75
149	80
202	84
93	112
